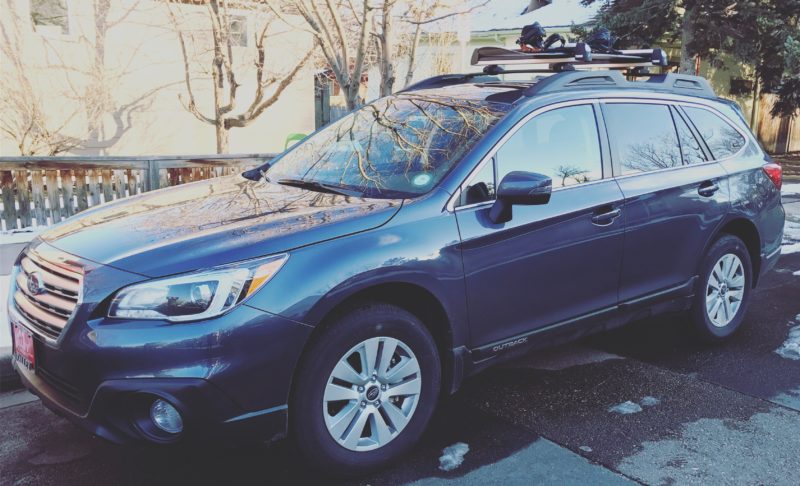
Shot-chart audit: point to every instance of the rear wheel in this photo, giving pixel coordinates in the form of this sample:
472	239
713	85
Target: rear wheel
724	290
366	390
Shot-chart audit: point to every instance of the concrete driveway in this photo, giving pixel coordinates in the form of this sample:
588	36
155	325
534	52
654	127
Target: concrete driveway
643	404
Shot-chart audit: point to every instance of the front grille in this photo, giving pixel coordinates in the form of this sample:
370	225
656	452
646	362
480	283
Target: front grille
49	307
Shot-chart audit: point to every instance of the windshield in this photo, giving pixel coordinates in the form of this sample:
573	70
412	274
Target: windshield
399	146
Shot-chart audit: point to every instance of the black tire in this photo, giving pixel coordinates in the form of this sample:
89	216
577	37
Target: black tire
307	424
702	324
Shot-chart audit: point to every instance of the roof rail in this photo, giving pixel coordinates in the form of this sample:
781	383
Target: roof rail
579	80
450	80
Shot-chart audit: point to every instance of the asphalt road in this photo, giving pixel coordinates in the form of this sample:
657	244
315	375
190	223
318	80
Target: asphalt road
727	414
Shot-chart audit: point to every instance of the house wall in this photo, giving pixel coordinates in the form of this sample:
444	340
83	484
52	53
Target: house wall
144	75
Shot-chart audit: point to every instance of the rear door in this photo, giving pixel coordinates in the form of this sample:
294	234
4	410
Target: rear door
675	195
551	262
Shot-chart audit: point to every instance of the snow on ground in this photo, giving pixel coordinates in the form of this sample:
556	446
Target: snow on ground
649	401
629	407
791	238
790	189
790	349
453	456
626	408
5	333
19	236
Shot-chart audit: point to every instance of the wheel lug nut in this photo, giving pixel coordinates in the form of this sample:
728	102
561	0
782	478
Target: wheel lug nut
363	404
361	388
383	387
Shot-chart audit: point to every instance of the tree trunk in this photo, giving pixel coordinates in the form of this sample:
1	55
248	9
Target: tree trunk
222	137
687	34
412	57
387	50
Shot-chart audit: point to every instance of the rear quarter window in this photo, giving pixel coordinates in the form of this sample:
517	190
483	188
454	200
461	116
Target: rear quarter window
721	138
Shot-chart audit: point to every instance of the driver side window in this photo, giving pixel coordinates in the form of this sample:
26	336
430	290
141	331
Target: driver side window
562	144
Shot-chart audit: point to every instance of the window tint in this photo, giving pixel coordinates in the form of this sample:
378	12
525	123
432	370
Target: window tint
690	147
722	139
562	144
642	136
481	187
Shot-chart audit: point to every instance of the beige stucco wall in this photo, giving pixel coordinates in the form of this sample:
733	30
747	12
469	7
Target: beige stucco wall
144	70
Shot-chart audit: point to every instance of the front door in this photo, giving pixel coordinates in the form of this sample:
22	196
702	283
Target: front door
552	262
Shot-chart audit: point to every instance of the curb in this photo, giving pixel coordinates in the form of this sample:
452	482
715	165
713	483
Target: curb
9	379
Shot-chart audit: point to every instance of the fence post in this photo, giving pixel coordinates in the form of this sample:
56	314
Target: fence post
153	180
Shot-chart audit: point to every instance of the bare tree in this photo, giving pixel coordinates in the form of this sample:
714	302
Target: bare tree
341	29
86	90
427	12
223	68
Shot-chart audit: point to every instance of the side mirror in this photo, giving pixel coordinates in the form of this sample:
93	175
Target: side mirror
518	187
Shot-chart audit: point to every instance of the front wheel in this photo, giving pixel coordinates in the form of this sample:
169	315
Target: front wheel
366	390
724	289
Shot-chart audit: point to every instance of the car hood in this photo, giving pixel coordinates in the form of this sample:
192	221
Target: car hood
211	223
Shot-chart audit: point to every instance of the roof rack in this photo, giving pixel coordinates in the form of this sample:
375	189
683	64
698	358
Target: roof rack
567	68
580	80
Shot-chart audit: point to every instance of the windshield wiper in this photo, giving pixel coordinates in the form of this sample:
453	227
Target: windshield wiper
320	187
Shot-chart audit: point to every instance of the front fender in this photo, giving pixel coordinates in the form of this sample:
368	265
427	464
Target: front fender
421	251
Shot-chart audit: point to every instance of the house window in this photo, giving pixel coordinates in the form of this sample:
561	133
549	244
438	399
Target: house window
50	15
238	30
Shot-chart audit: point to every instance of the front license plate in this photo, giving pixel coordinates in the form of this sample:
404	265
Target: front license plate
23	347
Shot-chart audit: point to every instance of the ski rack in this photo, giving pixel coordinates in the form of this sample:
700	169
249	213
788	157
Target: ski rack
568	73
568	58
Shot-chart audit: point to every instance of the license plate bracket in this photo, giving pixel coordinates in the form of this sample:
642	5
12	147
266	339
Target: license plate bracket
23	353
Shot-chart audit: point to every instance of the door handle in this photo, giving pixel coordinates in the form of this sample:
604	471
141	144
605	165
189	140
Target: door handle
606	217
707	189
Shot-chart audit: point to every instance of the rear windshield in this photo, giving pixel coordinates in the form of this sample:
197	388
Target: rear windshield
398	146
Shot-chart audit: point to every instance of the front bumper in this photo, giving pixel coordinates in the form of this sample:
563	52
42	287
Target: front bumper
229	377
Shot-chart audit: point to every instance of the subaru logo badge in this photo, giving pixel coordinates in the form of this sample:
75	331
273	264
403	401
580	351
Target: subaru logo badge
35	284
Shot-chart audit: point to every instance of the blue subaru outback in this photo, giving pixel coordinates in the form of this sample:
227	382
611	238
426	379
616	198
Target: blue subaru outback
337	293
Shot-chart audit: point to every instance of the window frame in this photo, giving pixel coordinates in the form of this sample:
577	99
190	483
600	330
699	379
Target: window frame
490	156
616	169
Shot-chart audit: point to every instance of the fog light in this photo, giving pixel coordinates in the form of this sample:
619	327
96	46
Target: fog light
166	417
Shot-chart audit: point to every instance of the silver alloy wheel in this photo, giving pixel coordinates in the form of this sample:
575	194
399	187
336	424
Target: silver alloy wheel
372	393
725	290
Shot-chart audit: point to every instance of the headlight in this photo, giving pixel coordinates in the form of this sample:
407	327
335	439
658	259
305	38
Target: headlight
197	295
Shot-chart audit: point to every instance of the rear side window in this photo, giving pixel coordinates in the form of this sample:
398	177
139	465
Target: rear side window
722	139
642	137
690	148
562	144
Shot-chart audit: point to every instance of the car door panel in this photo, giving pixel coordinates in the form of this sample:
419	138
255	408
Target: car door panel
548	264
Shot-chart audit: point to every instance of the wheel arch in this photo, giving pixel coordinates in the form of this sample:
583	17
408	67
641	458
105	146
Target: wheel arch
747	231
411	296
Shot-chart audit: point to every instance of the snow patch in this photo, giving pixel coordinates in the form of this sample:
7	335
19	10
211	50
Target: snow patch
5	331
629	407
790	189
790	349
626	408
791	238
649	401
453	456
585	448
19	236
